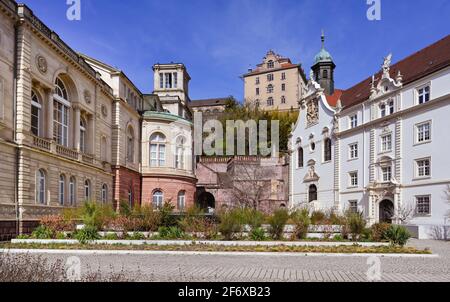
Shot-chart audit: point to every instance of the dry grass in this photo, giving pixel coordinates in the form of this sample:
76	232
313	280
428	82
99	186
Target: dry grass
31	268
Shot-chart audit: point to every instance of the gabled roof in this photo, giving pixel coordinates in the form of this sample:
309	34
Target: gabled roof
333	99
418	65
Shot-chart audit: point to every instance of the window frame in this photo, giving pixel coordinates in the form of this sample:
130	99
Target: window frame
353	121
417	168
353	179
181	200
157	199
417	133
62	190
424	94
41	187
353	153
384	145
385	173
36	103
72	191
418	207
87	190
353	206
160	145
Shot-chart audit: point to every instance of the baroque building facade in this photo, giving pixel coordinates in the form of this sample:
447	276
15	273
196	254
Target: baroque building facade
378	147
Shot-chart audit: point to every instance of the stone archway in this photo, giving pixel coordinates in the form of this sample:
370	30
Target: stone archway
386	211
206	201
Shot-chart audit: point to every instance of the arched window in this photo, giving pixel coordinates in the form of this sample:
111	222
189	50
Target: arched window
83	135
157	150
270	88
312	193
36	109
130	145
179	154
300	161
61	107
283	100
270	64
157	200
87	190
327	149
181	201
325	74
41	184
72	191
61	189
104	193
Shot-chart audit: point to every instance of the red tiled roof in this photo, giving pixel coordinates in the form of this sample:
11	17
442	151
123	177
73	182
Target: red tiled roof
333	99
420	64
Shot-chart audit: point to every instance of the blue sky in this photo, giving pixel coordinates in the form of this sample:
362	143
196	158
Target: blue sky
219	40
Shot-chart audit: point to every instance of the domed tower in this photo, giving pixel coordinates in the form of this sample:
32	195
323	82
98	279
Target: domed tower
323	69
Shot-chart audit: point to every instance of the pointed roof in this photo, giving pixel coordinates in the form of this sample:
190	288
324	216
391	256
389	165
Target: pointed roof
323	56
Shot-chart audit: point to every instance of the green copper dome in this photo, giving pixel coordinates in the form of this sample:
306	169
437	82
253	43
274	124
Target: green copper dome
323	56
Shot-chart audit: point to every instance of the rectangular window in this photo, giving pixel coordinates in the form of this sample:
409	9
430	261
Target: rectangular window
382	110
353	179
423	205
386	174
353	151
175	80
386	143
354	121
353	206
60	124
257	91
283	76
270	77
391	107
283	87
423	132
168	77
257	81
161	80
424	94
423	168
283	100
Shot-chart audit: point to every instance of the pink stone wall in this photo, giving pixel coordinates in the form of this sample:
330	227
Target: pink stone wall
125	179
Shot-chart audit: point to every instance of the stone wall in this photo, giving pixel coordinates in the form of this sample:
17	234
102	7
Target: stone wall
170	186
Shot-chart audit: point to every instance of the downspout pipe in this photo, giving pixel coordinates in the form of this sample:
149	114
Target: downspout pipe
16	171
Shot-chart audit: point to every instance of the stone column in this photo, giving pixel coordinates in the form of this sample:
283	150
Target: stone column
76	136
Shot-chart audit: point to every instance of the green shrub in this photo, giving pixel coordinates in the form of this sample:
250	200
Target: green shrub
60	236
166	214
88	233
43	232
172	232
318	218
335	219
398	235
258	234
253	218
379	231
301	221
277	222
136	236
355	224
366	234
124	209
231	223
96	215
338	238
111	236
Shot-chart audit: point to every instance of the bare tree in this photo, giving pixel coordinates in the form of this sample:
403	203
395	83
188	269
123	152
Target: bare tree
405	213
251	184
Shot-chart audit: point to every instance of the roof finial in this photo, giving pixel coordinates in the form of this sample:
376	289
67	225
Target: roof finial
323	39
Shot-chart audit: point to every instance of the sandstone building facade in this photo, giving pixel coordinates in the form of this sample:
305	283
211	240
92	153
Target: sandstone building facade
275	84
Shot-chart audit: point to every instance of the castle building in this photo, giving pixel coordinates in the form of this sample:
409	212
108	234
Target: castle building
378	147
275	84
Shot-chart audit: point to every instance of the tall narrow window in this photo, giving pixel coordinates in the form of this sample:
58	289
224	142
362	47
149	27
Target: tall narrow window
386	173
72	191
353	179
270	77
283	87
130	145
161	80
300	157
87	190
386	143
40	187
83	136
257	91
181	201
270	88
168	77
354	121
257	81
312	193
130	197
327	150
325	74
61	189
175	80
36	109
61	107
283	76
157	150
104	150
283	100
391	107
423	132
157	200
104	193
353	151
179	155
382	110
270	101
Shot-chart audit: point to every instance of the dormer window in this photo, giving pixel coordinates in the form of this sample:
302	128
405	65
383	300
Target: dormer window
270	64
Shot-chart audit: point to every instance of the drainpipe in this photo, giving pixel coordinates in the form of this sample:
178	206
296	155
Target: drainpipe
16	172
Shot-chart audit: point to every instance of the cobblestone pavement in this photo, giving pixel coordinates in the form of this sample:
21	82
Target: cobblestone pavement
276	268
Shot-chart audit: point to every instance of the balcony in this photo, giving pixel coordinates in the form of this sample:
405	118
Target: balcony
66	152
42	143
89	159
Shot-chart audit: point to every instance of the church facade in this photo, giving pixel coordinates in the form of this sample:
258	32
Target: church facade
378	147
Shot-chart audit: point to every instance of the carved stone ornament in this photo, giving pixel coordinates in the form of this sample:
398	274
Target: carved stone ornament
312	114
104	111
41	64
87	96
386	66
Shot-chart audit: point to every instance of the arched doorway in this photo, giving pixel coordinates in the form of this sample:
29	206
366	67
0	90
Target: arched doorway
206	201
386	211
